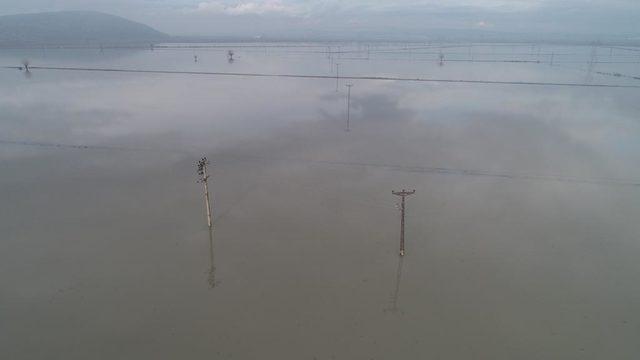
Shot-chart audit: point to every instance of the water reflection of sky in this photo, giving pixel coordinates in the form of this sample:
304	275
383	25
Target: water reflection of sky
103	246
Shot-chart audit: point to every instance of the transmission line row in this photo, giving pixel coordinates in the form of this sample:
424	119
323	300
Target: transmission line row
223	157
325	77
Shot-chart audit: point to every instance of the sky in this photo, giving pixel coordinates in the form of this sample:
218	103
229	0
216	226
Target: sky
289	17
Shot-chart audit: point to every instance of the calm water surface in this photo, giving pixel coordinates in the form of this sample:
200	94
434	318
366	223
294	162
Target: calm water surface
522	237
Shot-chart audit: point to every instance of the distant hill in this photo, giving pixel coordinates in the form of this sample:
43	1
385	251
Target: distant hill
74	28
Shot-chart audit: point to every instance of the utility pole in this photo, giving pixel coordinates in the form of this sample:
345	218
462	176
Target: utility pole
349	86
337	75
591	63
204	178
27	69
403	194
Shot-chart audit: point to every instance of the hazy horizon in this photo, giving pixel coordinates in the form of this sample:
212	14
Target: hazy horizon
308	18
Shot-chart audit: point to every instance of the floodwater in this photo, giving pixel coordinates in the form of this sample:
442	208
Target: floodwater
522	237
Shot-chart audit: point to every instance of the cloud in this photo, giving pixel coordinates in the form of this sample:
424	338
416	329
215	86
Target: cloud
325	7
249	8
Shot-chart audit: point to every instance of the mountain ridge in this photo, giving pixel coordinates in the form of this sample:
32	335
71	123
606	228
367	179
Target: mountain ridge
73	28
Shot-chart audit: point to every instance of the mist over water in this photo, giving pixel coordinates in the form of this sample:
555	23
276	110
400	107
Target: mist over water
521	237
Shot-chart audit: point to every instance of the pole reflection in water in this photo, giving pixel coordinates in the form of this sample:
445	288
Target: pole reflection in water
211	279
393	306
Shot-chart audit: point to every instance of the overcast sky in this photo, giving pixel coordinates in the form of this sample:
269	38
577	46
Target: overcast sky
273	17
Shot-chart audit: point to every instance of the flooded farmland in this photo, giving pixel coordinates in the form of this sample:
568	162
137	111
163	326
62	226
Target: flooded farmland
521	238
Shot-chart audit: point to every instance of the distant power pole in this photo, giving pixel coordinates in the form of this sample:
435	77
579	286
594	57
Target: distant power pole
591	64
337	75
27	68
403	194
204	178
349	86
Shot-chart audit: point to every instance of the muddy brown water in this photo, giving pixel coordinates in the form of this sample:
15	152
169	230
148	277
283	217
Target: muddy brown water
522	237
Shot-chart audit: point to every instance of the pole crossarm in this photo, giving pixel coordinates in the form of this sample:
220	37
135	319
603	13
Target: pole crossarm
403	193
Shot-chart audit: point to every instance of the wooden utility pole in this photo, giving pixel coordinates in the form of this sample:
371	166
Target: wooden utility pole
204	178
349	86
337	75
404	193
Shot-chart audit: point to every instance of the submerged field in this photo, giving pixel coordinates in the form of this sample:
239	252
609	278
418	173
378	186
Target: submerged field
522	237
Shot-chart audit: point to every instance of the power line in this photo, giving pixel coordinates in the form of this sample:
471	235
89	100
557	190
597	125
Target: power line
318	77
623	48
619	182
87	147
451	171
